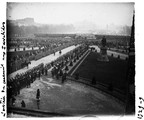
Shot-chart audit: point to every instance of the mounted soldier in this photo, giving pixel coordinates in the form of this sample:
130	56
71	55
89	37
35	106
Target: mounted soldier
25	64
60	52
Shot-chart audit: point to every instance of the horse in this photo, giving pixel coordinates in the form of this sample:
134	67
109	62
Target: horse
25	64
60	52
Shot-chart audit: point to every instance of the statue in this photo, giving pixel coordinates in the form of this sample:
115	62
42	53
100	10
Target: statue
103	42
103	50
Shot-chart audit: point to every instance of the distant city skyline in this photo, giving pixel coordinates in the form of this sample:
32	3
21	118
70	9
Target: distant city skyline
101	14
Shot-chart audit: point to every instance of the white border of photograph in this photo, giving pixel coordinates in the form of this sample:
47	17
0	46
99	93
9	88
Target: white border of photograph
139	44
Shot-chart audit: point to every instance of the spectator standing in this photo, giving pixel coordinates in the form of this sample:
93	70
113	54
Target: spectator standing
38	94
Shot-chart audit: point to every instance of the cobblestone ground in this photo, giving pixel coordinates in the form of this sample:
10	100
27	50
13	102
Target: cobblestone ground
68	98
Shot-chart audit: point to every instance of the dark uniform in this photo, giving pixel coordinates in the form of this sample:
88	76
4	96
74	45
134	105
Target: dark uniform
64	77
38	94
23	104
39	74
46	72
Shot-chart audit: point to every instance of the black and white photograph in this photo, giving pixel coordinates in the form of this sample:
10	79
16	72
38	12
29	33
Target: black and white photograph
70	59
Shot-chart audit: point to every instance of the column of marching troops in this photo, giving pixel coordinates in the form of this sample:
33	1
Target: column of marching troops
14	85
59	70
60	66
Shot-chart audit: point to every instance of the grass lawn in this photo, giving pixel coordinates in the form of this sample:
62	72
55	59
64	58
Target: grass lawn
114	71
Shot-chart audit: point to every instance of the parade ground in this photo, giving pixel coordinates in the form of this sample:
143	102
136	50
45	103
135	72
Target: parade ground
70	98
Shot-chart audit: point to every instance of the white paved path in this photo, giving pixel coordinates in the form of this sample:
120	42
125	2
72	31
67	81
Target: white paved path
43	60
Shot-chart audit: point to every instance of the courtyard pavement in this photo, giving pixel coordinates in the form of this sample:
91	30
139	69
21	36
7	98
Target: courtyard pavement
70	98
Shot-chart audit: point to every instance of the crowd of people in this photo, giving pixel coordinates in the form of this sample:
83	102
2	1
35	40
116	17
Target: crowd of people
17	58
59	70
60	65
14	85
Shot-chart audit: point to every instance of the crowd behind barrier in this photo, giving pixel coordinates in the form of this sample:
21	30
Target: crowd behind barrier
16	64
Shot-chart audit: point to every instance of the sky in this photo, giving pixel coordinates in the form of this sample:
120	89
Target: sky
73	13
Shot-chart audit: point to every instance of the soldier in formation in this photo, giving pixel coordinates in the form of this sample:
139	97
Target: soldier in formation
23	80
38	94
